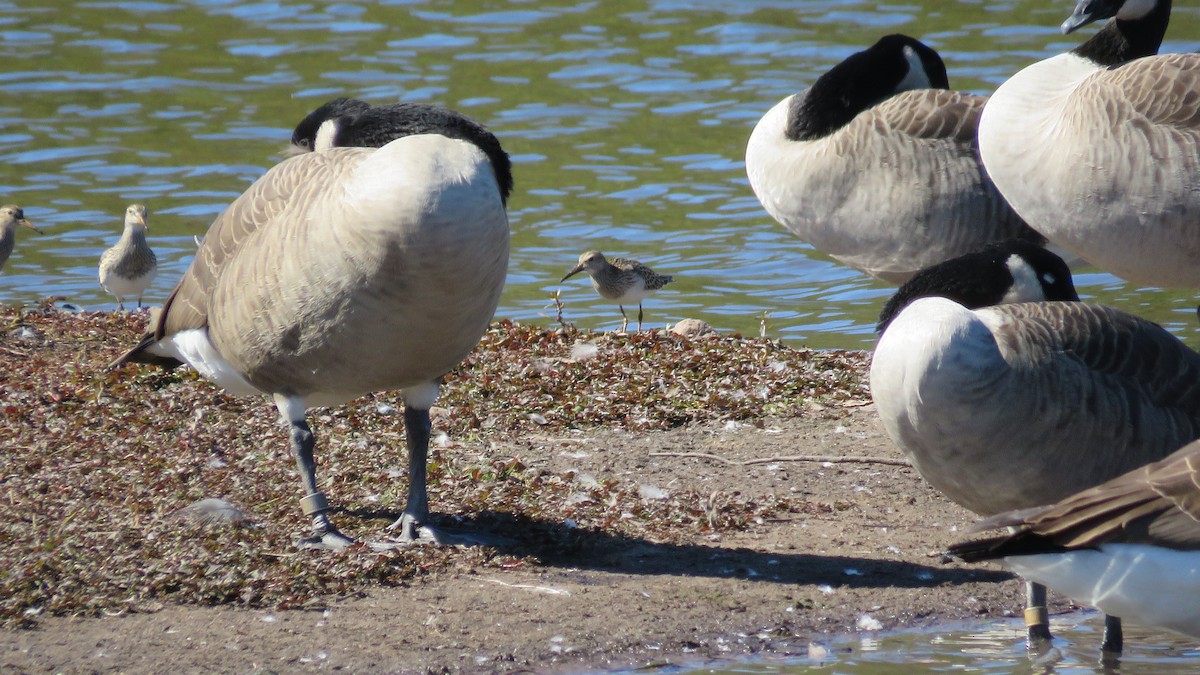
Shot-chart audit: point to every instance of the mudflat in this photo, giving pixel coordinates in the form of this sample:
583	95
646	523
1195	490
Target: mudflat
668	501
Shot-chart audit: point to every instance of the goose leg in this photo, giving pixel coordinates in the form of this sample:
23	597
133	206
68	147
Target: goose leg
1114	635
412	523
416	511
314	504
1037	618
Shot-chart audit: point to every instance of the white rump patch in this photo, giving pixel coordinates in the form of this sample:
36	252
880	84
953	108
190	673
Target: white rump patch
194	348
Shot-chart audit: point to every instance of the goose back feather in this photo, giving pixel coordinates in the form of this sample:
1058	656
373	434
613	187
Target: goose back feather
896	187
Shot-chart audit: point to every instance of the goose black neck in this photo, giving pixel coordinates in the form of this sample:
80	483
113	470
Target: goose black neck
380	125
862	81
1120	40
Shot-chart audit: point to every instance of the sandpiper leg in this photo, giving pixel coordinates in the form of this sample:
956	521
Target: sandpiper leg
314	504
1037	618
639	317
1114	636
624	319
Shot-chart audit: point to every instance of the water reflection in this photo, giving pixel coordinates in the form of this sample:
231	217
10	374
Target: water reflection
627	122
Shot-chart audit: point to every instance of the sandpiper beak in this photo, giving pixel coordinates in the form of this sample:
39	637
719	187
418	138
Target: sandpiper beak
574	270
30	225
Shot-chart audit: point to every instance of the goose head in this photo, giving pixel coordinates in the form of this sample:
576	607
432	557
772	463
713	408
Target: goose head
895	63
1088	11
347	122
1009	271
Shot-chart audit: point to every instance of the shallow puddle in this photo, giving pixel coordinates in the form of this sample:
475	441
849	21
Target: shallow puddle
995	647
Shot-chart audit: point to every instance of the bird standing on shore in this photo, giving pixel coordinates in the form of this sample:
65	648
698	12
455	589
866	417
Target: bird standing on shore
11	216
349	270
622	281
128	268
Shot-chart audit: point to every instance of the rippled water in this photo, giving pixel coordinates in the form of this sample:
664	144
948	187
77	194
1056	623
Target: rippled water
997	647
627	122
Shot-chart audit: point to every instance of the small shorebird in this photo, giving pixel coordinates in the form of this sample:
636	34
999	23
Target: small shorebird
622	281
127	268
349	270
11	216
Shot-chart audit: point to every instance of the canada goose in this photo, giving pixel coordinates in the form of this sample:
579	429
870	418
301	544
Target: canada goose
1019	405
622	281
346	271
1099	148
1130	547
876	165
128	268
1002	272
11	216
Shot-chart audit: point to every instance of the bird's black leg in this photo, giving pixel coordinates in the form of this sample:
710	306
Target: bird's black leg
416	511
1037	618
1114	636
639	317
314	504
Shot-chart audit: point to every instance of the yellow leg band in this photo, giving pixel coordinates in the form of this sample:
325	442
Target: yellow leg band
1036	616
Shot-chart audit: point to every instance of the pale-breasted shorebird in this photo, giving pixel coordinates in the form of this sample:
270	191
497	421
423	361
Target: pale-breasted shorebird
11	216
622	281
349	270
127	268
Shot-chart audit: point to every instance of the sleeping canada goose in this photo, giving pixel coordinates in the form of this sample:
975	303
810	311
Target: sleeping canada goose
876	164
622	281
1130	547
1099	148
346	271
1019	405
1003	272
11	216
128	268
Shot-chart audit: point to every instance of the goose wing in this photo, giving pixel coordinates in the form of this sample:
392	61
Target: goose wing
1157	504
268	207
1159	90
933	113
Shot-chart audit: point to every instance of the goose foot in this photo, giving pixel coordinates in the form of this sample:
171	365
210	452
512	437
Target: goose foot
413	532
330	540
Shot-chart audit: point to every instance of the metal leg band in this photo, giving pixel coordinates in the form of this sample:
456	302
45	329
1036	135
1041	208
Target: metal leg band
1036	616
314	504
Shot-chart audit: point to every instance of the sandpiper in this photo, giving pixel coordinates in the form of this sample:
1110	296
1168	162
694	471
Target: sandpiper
127	268
11	216
622	281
